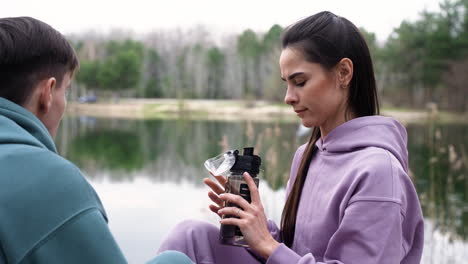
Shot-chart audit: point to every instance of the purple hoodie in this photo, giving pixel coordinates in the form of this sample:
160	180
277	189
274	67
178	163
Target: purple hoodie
358	204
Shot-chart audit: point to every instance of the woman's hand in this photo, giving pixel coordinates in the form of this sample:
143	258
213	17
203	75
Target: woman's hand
252	220
216	190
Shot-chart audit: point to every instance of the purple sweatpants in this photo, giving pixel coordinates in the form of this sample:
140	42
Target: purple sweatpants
199	241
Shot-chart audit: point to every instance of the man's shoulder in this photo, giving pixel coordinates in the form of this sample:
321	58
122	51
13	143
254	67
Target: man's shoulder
40	192
38	179
45	171
33	161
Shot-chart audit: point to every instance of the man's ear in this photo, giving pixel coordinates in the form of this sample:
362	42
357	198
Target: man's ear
344	70
46	88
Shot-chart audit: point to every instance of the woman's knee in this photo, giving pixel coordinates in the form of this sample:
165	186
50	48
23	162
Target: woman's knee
189	235
195	227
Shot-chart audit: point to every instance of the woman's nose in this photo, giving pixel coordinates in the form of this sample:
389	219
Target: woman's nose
290	98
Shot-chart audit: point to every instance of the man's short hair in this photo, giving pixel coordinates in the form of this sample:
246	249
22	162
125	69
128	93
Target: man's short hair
31	51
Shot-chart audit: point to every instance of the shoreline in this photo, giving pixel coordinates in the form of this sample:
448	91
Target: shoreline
228	110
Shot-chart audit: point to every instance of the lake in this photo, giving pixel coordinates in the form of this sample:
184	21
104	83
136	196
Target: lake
149	174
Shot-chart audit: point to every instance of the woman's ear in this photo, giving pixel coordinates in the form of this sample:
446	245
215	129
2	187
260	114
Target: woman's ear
46	88
344	70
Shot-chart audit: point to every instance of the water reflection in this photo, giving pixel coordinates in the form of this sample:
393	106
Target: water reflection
148	174
439	162
181	146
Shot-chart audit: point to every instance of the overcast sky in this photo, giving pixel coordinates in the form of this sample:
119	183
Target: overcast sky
220	16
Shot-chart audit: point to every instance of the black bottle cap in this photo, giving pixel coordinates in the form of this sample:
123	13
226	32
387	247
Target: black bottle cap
248	151
247	163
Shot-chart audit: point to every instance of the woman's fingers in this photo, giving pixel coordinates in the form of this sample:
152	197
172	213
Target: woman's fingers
254	194
215	198
215	209
213	185
231	221
236	199
220	178
218	196
234	211
217	189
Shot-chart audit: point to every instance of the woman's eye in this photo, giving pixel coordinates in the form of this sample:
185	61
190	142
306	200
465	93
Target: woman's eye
300	84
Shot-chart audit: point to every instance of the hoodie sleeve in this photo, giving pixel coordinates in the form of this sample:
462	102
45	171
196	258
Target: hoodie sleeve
274	230
364	236
84	238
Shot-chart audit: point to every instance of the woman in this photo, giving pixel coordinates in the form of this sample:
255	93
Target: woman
349	197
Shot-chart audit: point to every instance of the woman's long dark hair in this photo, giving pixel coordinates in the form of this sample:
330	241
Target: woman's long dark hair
325	38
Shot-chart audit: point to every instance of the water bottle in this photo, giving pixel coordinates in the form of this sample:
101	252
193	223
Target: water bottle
236	184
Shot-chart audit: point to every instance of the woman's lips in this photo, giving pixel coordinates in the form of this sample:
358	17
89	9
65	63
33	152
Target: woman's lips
298	111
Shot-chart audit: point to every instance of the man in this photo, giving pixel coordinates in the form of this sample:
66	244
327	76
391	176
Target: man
49	213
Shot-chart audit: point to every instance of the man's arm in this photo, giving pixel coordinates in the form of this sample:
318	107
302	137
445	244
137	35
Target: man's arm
85	238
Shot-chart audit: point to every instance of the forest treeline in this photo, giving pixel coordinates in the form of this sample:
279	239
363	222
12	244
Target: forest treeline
422	61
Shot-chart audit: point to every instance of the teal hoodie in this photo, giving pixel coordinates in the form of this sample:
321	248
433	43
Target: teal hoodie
49	213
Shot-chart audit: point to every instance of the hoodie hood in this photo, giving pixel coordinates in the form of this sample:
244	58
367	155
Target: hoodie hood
369	131
19	126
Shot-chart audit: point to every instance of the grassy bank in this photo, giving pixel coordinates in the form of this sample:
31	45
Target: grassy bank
229	110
